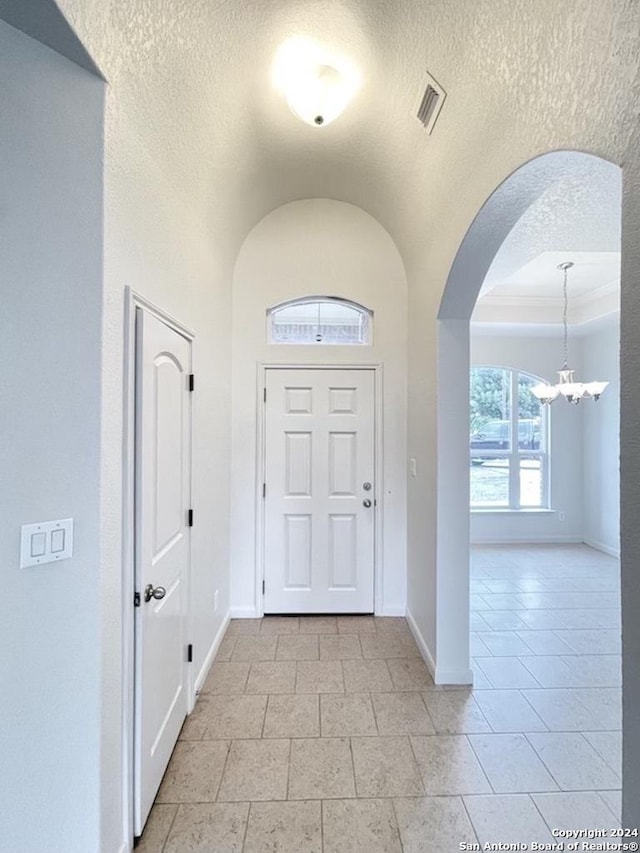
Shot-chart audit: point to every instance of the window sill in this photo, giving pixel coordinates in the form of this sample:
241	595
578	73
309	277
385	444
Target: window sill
507	511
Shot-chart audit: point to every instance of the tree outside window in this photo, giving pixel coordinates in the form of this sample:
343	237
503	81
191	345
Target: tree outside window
508	442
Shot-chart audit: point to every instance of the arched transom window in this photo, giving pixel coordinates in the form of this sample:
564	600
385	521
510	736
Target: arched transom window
320	320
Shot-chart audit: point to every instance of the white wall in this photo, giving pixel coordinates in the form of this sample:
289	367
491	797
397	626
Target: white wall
318	247
542	357
50	409
601	439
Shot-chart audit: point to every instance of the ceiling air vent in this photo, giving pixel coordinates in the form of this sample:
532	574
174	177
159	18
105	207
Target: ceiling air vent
431	104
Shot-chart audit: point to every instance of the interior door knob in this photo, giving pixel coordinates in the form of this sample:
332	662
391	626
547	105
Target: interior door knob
366	502
157	592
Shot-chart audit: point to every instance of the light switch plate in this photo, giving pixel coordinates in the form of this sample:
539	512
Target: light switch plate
46	542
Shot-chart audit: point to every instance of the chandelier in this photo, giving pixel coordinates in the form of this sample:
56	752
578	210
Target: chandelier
566	386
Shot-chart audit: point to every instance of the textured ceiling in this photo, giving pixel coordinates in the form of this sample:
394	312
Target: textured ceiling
193	79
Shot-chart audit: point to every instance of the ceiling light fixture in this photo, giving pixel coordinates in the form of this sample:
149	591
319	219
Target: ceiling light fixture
317	85
318	96
566	386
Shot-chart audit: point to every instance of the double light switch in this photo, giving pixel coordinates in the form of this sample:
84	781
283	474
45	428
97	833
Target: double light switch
46	542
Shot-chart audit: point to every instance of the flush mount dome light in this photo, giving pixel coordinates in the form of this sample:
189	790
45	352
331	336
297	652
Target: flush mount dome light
318	96
317	85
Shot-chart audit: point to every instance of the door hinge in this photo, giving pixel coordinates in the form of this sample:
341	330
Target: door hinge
263	587
264	490
265	394
190	653
189	518
136	599
192	382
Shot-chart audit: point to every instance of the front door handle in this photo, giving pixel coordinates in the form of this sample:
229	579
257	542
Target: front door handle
157	592
366	502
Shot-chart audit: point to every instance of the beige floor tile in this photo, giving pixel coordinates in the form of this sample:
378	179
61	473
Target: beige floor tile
226	677
480	680
272	677
433	824
592	642
538	620
254	648
361	676
605	703
510	819
356	625
401	714
385	767
574	763
504	643
574	811
320	767
411	674
377	646
318	625
195	724
449	765
507	673
340	647
208	827
360	826
455	712
280	625
544	642
285	828
608	745
509	711
613	800
511	764
238	627
549	671
595	670
292	716
346	715
255	770
392	625
157	828
560	710
319	676
504	620
233	716
226	648
297	647
194	772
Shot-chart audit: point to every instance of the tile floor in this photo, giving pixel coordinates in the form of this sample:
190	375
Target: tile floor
327	734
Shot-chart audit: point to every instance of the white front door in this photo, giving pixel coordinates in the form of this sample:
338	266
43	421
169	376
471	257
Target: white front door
319	491
163	430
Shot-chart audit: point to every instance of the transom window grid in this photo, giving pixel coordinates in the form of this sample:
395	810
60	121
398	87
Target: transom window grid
508	443
320	320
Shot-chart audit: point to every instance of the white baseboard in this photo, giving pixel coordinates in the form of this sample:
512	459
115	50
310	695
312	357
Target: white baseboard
600	546
206	666
454	676
422	645
538	540
243	613
393	611
439	675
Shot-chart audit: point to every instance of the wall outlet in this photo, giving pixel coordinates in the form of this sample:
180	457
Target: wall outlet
215	601
561	515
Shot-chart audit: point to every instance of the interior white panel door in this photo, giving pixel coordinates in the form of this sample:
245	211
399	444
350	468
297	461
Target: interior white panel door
319	491
163	429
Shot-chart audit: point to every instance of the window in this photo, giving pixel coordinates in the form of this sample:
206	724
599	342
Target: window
508	442
319	320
